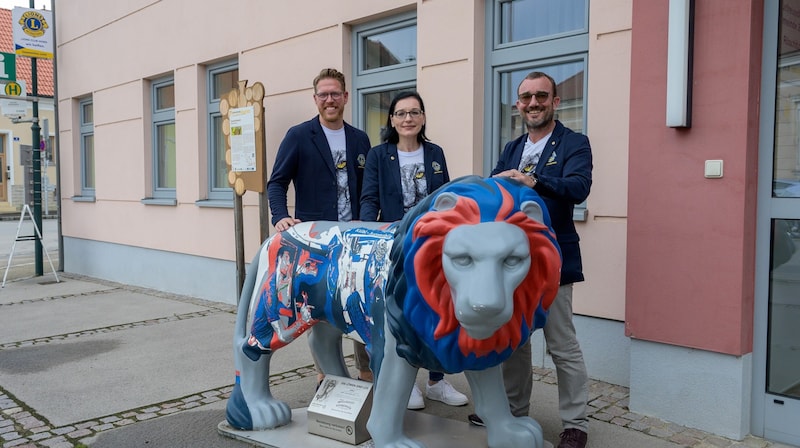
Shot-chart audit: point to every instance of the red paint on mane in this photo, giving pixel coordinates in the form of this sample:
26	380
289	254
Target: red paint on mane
545	264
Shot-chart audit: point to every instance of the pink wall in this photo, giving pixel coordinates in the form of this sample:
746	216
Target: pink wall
690	247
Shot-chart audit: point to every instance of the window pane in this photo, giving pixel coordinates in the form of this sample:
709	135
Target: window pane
532	19
87	113
376	109
569	86
783	376
223	82
786	166
88	161
165	97
220	168
390	48
166	156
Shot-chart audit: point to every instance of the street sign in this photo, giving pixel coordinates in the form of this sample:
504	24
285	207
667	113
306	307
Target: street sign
33	32
8	67
11	107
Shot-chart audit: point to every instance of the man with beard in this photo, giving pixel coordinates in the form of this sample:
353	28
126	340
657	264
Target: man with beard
557	163
324	157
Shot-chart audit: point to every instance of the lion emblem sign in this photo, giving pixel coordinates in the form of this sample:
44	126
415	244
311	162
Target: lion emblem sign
456	286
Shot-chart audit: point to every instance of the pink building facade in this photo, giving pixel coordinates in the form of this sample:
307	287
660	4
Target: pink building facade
685	300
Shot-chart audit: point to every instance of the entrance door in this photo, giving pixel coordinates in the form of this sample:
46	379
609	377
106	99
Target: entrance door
777	339
3	173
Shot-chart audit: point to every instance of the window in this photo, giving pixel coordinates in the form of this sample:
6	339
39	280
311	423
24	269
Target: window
86	111
163	122
385	64
550	36
221	79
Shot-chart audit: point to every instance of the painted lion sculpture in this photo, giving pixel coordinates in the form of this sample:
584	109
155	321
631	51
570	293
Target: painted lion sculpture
456	286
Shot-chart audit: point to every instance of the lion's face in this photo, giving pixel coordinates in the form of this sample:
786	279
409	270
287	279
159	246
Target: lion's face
484	264
481	267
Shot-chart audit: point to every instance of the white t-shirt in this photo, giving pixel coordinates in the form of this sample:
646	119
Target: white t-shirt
531	154
338	145
412	177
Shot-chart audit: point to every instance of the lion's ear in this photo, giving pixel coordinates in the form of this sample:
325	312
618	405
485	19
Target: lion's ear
533	210
445	201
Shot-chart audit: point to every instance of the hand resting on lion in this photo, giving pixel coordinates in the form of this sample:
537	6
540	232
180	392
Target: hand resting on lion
456	286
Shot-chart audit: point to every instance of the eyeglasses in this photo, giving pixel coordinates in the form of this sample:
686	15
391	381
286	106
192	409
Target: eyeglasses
414	113
541	97
336	96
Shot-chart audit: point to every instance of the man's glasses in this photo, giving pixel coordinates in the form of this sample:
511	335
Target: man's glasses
336	96
414	113
526	97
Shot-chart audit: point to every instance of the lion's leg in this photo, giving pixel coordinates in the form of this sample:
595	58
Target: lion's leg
251	405
392	390
491	404
325	341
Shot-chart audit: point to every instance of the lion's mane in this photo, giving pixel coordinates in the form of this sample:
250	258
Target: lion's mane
419	305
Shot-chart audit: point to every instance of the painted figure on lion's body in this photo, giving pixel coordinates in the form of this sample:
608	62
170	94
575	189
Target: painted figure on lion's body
346	260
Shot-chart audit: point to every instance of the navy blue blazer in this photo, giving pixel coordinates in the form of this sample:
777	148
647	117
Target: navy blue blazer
382	196
304	158
565	177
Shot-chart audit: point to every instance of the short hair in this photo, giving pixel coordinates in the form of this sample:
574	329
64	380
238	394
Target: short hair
389	134
537	75
330	73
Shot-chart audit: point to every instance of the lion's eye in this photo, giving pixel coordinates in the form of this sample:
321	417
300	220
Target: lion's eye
463	261
512	261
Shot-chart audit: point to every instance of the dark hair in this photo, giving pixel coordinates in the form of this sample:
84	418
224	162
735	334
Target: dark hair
389	133
331	73
537	75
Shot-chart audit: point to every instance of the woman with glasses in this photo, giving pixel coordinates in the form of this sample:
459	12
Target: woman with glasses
401	171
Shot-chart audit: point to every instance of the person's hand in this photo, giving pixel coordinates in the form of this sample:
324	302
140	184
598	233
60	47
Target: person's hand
285	223
518	176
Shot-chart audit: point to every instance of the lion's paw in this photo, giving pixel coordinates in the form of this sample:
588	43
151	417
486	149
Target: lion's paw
268	414
517	432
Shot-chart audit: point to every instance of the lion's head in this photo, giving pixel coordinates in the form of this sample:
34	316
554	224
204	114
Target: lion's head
475	266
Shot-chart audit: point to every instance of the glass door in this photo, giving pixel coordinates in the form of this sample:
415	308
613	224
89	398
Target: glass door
781	374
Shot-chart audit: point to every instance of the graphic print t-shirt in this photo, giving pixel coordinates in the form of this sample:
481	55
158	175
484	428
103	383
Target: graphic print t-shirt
531	154
412	177
338	145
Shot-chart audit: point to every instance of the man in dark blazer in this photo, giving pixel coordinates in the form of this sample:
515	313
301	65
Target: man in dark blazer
324	158
557	163
327	180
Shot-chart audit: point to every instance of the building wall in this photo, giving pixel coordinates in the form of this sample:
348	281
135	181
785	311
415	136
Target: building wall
691	240
652	274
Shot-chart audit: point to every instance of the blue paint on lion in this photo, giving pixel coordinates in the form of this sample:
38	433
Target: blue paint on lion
404	303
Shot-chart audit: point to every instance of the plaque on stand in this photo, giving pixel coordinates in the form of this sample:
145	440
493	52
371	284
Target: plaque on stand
340	409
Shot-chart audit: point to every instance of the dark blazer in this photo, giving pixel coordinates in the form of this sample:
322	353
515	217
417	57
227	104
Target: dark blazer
304	158
382	196
565	178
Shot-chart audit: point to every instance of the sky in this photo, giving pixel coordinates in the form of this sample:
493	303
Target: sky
10	4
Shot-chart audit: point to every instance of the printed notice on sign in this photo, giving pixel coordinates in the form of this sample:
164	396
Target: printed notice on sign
243	139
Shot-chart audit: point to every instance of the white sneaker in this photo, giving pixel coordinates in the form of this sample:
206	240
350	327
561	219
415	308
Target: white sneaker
415	401
446	393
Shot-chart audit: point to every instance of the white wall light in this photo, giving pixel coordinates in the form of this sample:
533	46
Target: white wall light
679	63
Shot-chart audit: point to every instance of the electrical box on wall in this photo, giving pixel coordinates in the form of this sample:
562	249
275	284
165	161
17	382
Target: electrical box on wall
713	169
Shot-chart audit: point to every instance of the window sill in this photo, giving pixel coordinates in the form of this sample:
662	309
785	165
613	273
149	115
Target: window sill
214	203
160	201
83	199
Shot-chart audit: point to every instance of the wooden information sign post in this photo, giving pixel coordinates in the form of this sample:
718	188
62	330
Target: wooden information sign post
243	126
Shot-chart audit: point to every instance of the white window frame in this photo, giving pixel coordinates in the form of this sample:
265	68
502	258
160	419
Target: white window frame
87	130
526	54
160	117
217	196
382	79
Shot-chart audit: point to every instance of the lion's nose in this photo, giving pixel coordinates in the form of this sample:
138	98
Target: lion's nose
488	305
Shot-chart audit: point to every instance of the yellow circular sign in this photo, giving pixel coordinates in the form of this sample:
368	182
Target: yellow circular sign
13	89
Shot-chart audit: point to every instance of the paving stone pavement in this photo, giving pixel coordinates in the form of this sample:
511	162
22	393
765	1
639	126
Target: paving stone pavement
22	427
